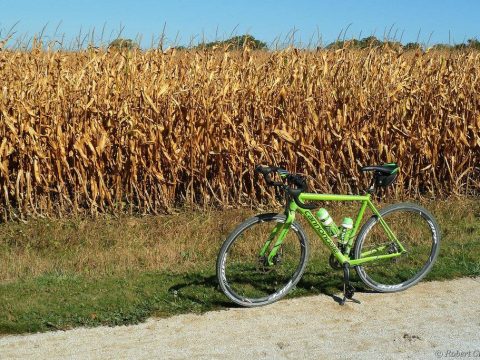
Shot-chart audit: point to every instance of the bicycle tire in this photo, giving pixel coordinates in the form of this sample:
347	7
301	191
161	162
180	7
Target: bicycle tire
236	275
417	230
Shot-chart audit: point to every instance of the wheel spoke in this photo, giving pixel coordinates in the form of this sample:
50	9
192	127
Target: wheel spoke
416	231
248	278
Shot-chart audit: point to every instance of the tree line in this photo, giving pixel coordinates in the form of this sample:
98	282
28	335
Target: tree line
241	41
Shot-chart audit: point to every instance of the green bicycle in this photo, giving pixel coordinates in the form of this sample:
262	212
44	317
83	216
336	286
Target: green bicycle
266	255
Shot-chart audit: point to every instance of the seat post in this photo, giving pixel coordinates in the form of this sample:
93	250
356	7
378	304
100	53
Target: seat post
371	188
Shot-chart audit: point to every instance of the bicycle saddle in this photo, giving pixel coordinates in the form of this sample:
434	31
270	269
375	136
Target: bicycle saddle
384	169
383	175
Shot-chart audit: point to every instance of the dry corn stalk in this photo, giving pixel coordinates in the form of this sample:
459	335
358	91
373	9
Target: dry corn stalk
146	131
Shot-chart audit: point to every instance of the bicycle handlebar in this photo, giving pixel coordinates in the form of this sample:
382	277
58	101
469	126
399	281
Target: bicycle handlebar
266	171
294	179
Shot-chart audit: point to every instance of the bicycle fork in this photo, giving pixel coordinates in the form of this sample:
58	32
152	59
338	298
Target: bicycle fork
281	229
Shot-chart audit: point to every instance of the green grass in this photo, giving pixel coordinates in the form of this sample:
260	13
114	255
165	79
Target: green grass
56	292
64	301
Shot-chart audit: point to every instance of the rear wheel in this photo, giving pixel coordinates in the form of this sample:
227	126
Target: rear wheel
246	277
418	233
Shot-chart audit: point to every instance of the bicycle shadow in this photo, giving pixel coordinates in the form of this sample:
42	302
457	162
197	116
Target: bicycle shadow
330	283
204	290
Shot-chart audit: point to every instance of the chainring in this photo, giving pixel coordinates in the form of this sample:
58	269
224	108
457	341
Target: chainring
334	264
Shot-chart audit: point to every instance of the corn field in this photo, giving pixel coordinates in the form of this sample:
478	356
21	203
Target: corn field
147	131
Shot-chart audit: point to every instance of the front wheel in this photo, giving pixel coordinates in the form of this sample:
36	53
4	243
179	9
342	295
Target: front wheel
416	231
245	273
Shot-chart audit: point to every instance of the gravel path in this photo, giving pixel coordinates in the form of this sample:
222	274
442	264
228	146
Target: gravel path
429	321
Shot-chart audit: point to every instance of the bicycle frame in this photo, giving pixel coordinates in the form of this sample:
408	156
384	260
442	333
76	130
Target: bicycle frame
282	229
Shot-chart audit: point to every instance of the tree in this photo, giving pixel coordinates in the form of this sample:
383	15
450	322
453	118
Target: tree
473	44
123	44
236	43
461	46
370	41
412	46
441	47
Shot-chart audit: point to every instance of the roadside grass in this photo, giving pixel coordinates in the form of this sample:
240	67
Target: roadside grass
60	274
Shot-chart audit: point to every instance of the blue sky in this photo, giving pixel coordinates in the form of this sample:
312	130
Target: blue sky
186	20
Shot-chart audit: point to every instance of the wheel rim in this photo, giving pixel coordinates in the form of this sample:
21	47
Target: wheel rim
246	277
419	236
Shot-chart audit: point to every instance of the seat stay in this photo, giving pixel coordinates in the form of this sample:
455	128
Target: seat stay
391	236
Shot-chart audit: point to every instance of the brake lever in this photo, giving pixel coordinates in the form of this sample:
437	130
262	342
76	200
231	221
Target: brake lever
301	183
266	171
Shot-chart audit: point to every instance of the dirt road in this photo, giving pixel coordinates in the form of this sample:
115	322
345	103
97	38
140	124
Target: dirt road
429	321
